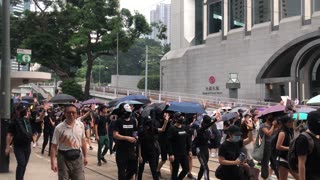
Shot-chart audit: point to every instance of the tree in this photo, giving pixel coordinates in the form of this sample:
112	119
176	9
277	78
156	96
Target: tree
106	21
72	88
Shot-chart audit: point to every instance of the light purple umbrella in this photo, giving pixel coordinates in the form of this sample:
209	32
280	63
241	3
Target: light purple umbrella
273	109
91	101
306	110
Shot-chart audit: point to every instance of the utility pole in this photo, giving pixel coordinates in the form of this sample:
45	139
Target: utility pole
117	64
5	85
146	76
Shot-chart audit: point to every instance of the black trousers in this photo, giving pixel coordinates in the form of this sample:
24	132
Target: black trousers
22	155
153	159
46	137
127	167
184	162
203	156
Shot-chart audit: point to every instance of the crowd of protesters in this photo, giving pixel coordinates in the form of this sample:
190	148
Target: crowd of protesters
164	135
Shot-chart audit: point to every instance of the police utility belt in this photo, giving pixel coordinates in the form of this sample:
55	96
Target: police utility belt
70	155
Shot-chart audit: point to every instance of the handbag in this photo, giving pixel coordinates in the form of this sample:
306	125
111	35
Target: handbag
71	155
258	149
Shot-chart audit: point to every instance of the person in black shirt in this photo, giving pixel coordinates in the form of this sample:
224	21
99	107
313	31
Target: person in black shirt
125	132
229	153
101	133
20	133
179	147
284	137
202	146
111	120
49	124
36	120
308	163
149	148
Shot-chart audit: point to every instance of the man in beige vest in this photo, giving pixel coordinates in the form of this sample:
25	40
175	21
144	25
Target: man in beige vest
68	139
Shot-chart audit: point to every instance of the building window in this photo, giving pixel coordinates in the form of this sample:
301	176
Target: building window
215	17
261	11
199	22
290	8
236	15
316	5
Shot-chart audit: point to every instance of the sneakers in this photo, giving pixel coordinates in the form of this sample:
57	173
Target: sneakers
99	163
103	160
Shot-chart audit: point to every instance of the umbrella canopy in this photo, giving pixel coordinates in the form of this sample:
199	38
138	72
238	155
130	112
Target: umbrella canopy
186	107
78	105
146	111
302	116
113	102
27	98
62	98
128	102
314	101
91	101
236	109
140	98
306	110
228	116
273	109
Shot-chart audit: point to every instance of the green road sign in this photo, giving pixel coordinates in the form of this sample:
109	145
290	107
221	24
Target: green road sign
24	56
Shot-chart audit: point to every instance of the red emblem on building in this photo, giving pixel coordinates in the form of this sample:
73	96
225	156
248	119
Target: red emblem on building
212	79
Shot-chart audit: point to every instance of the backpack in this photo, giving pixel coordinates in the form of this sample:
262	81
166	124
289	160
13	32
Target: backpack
292	155
23	135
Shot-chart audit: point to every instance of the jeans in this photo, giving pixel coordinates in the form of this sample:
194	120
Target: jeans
111	143
103	142
184	162
46	137
22	155
203	157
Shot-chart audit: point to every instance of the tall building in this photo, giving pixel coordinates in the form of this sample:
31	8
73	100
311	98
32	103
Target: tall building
19	8
161	14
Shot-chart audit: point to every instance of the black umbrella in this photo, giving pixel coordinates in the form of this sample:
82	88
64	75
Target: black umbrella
146	111
62	99
28	99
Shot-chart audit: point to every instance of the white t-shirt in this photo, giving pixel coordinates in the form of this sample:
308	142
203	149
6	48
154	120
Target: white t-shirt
219	125
67	137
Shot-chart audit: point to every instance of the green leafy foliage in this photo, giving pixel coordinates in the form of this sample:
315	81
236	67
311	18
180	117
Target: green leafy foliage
72	88
153	83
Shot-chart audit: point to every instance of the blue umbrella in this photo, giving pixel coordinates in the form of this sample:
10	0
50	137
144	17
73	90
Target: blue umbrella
302	116
186	107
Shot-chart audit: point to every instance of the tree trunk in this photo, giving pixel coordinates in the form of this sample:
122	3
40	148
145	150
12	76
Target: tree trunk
88	75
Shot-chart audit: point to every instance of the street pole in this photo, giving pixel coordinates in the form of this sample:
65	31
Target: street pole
160	86
117	65
99	72
146	76
5	85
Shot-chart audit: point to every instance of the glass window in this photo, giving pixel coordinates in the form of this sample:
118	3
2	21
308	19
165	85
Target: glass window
261	11
290	8
199	22
316	5
215	17
236	15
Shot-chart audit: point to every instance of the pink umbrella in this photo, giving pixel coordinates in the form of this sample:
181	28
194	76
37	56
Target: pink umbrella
273	109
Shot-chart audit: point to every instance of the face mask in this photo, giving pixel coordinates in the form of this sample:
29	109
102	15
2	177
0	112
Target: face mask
236	138
126	114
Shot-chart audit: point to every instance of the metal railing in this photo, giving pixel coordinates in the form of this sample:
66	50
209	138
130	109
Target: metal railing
211	101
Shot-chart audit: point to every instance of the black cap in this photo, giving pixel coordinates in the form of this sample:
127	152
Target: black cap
234	130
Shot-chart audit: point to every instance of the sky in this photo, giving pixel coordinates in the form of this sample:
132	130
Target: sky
143	6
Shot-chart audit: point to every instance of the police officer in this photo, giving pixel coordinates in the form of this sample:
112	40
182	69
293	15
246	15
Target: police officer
125	132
